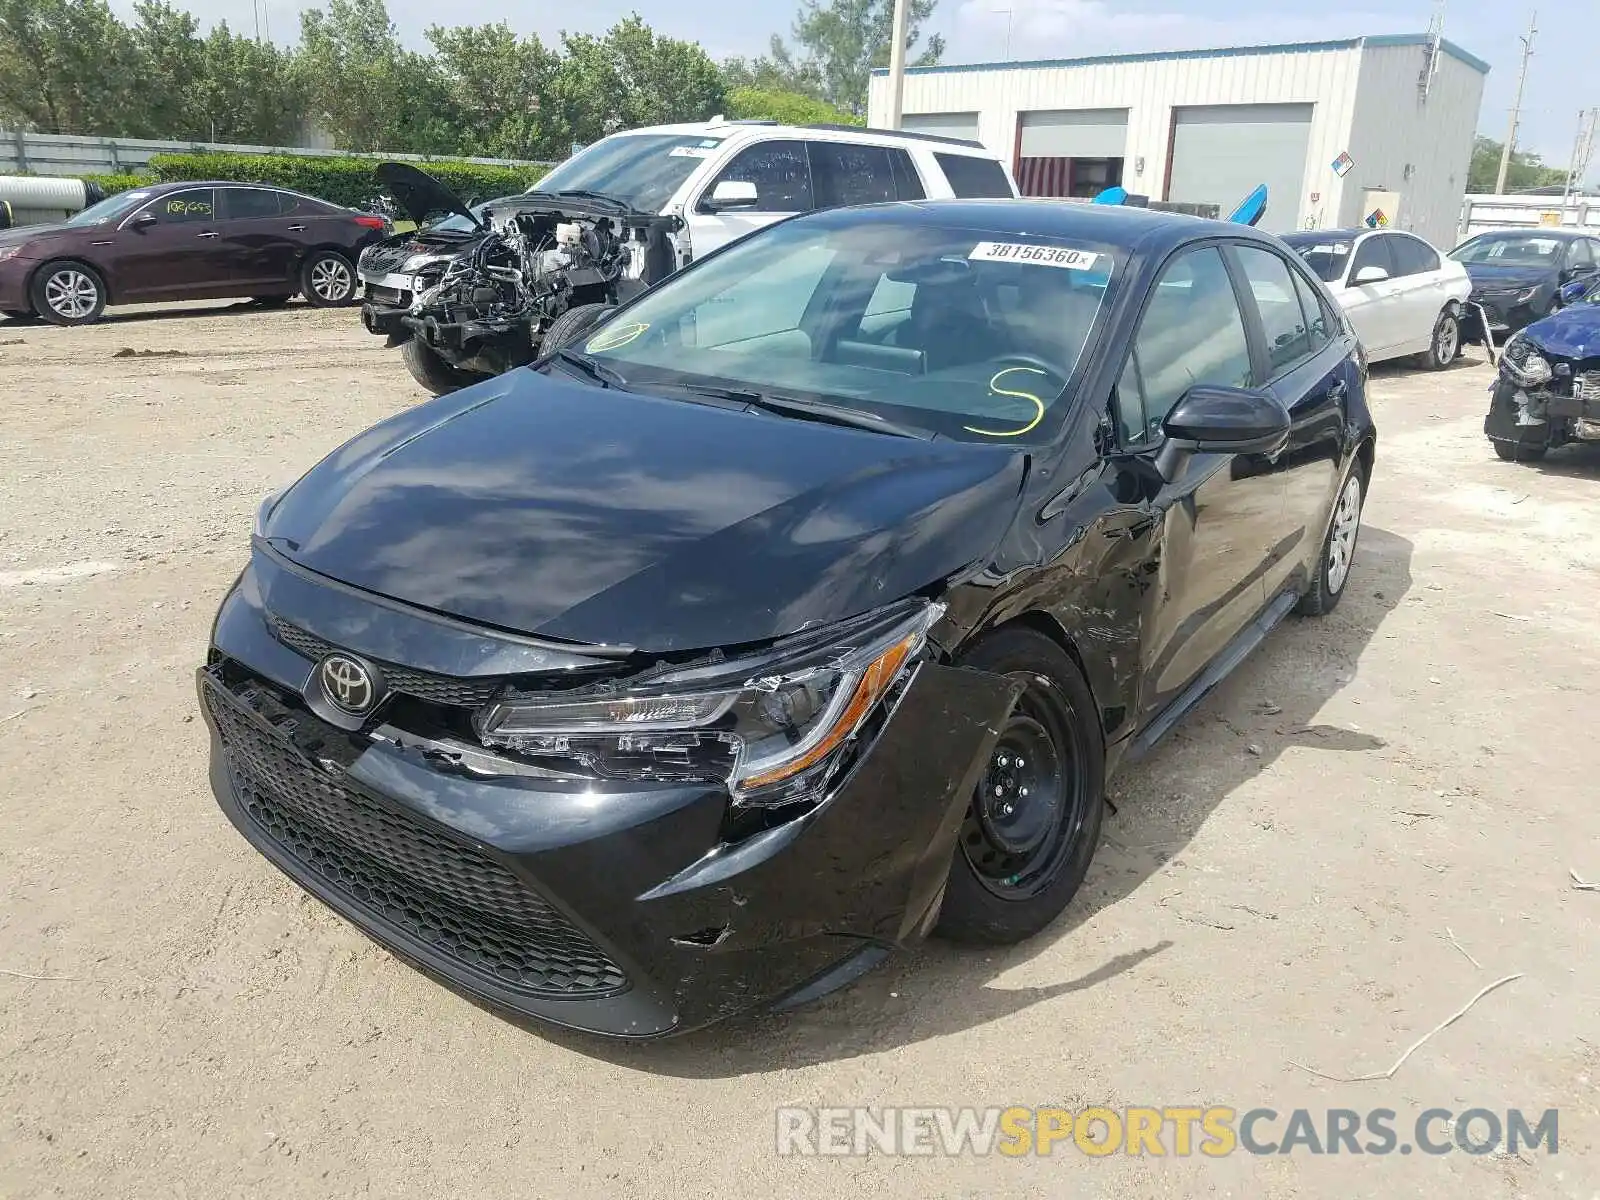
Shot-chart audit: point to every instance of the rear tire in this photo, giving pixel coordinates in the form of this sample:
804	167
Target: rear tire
68	293
1338	555
432	372
328	280
571	325
1033	823
1446	344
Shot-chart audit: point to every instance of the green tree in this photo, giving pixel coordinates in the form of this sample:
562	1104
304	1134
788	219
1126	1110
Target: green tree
838	42
1527	169
352	66
66	66
789	108
496	82
251	92
627	78
171	58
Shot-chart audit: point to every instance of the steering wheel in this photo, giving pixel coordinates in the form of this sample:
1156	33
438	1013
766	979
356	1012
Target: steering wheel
1015	379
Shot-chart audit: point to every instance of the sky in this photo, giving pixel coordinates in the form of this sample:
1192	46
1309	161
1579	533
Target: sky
1561	80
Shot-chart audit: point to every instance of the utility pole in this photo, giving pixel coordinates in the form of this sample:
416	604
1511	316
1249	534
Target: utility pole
897	60
1582	148
1516	105
1007	11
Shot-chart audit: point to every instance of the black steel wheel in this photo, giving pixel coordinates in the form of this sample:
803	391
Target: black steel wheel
1033	822
432	372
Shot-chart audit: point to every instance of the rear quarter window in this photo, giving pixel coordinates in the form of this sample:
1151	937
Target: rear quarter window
973	178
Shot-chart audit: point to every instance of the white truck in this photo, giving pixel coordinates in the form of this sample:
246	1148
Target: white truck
475	291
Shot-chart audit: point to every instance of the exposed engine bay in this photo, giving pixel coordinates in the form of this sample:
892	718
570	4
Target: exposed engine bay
482	296
1547	390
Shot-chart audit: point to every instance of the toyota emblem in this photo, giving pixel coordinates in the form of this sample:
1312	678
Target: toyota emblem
348	684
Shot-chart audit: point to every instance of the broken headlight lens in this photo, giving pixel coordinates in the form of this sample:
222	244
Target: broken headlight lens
1524	365
772	734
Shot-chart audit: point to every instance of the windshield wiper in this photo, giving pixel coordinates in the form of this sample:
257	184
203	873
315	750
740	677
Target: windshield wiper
809	410
599	372
587	194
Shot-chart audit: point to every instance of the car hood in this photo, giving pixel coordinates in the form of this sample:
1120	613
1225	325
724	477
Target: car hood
419	193
33	233
600	516
1503	279
1571	333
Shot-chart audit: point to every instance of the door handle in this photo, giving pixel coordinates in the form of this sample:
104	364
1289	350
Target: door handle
297	229
211	234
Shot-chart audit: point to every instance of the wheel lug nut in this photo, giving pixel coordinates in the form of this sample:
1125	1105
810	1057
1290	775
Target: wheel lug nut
999	791
1024	791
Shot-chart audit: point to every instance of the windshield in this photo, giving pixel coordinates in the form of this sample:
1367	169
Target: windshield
111	208
1325	255
970	333
1510	250
640	169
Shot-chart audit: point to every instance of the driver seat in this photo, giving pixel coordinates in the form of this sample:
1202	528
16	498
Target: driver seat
950	325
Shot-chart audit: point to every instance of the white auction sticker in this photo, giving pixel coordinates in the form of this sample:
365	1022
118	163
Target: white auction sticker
1039	256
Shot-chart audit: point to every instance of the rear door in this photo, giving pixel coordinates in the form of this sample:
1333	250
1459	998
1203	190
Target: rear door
1220	519
844	173
1373	307
781	172
258	249
1421	290
168	249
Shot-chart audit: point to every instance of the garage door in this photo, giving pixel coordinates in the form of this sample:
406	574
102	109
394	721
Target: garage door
1220	153
1075	133
956	125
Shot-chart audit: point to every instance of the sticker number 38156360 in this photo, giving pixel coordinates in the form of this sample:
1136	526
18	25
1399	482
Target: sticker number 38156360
1041	256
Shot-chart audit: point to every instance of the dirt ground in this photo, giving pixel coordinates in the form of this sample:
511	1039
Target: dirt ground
177	1019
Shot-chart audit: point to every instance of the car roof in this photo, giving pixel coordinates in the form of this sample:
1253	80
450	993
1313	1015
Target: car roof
1143	228
161	189
855	133
1301	236
1544	231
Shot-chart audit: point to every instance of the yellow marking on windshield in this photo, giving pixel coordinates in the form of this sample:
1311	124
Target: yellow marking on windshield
615	339
994	386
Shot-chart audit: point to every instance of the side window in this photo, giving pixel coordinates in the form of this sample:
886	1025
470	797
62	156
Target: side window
1282	319
194	205
781	172
247	203
907	184
1372	252
1412	255
843	174
1318	325
1191	332
1579	255
973	178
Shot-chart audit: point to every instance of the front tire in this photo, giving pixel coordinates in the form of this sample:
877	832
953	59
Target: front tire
328	280
1338	547
571	325
431	371
1033	823
1518	451
1446	343
68	293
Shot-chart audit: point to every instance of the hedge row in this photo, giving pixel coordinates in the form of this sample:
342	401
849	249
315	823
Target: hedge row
348	181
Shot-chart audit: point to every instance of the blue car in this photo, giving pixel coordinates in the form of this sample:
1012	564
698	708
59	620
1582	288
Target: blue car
1548	390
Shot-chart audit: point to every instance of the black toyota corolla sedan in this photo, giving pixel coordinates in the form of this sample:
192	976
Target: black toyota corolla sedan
800	608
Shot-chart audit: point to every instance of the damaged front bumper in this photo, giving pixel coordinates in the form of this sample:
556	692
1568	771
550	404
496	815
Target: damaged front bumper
628	909
1566	409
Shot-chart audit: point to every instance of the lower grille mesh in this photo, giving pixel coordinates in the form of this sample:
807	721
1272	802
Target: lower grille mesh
455	899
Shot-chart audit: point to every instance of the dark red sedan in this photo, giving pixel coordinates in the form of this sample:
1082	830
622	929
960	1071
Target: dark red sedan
184	241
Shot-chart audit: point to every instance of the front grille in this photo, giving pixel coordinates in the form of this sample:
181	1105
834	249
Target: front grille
381	260
393	297
1586	387
404	873
423	685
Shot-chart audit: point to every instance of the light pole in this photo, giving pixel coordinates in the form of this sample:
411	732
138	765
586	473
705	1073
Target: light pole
897	60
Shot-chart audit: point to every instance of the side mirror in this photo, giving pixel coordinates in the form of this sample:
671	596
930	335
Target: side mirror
732	193
1573	292
143	221
1220	420
1371	275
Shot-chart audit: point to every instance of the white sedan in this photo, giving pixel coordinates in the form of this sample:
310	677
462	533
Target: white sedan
1402	296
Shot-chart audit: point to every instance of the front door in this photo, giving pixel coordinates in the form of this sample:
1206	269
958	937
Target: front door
1220	519
1374	308
781	173
168	250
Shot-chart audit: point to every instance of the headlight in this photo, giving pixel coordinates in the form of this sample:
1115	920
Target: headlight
773	731
9	252
1524	365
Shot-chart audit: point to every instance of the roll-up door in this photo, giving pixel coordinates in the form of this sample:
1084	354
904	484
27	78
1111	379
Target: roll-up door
1221	153
956	125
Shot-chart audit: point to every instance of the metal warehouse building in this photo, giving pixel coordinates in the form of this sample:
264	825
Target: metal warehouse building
1340	131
